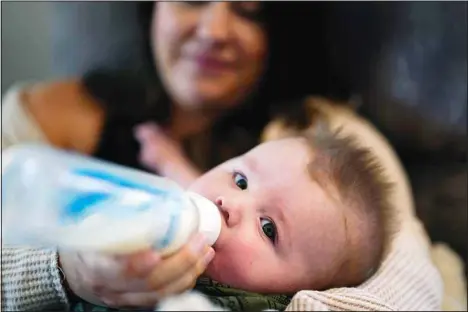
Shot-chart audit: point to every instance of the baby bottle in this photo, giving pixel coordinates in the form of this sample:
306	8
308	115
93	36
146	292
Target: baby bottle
59	199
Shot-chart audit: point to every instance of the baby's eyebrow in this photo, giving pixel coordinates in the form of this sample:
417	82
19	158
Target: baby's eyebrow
251	163
285	230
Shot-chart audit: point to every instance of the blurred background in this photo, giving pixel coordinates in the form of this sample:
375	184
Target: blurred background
26	42
406	61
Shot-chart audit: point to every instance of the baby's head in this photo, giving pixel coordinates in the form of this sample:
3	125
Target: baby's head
307	212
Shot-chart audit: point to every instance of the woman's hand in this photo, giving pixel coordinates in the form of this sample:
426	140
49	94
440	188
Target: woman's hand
164	155
139	280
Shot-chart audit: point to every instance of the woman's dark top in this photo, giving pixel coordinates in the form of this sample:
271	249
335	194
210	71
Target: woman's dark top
124	99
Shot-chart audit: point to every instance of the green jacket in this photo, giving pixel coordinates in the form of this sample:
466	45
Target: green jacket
221	295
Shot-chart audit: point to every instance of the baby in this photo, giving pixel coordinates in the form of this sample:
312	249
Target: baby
307	212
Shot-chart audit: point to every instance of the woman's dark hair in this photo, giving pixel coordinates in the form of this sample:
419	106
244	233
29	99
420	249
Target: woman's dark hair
297	66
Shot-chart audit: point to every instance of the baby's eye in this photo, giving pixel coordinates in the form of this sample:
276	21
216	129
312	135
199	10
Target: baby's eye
269	228
241	181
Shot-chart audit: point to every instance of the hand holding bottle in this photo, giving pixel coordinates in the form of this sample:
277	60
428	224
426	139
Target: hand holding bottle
139	280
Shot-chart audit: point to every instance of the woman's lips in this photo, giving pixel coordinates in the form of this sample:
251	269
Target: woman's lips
212	64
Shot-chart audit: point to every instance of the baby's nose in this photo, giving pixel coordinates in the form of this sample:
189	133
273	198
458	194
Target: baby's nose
219	201
230	211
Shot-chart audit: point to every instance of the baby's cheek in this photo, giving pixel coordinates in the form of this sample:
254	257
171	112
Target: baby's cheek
235	263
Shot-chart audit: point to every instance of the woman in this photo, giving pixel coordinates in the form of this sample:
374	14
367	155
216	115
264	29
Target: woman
213	61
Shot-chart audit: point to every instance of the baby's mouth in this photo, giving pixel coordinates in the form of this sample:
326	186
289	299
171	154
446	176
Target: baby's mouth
224	217
217	243
224	214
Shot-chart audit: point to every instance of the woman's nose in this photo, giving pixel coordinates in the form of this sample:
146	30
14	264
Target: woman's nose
230	210
214	23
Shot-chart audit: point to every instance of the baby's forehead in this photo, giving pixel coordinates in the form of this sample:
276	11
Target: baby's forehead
289	142
293	191
287	151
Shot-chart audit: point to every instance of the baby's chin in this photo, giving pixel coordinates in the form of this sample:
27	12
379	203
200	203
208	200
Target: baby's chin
225	272
215	271
237	277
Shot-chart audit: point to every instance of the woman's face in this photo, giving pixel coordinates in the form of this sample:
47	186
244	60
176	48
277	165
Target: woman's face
209	54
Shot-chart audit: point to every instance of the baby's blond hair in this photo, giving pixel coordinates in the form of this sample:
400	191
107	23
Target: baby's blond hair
354	175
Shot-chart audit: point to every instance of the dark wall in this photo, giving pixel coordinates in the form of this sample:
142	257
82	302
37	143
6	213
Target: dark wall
408	61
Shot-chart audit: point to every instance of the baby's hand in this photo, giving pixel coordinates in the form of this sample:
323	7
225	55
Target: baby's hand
163	154
140	280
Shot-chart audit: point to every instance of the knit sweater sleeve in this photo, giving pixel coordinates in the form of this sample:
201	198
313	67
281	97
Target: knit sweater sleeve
31	280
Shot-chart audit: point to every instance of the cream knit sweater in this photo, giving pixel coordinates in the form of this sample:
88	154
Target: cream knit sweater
406	280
